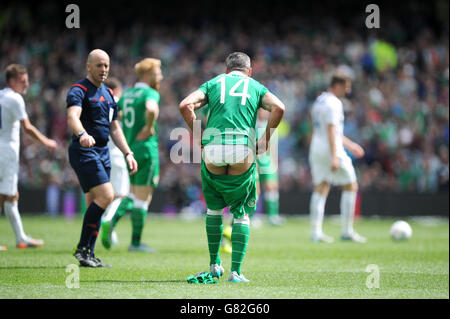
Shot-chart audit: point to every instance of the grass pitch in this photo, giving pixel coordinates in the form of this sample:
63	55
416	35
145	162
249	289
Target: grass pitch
281	262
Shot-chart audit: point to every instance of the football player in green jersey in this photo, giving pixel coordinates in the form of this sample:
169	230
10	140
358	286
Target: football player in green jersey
139	107
228	159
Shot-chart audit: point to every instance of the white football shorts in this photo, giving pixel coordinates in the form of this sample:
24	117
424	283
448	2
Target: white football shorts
321	170
120	178
9	171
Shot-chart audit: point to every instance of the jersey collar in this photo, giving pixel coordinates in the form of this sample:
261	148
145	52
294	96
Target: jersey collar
141	85
237	72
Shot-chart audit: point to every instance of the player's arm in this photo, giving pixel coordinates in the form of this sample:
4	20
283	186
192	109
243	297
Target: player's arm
119	139
74	123
353	147
151	115
276	108
31	130
331	132
190	104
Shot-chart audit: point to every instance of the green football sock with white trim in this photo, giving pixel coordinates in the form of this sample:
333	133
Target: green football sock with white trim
271	203
214	230
239	240
125	205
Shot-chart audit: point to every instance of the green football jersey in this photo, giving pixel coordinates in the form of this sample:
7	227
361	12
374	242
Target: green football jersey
132	105
233	102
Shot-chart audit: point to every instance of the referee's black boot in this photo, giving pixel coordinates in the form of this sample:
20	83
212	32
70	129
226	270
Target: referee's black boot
83	255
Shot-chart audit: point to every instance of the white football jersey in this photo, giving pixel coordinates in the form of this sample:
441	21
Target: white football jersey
327	109
12	111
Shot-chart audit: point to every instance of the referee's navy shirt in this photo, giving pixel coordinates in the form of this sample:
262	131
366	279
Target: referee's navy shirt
98	106
92	164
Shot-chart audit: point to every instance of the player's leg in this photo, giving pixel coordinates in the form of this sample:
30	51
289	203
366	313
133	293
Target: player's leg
9	196
98	198
121	185
213	220
10	204
126	205
214	230
271	201
345	176
254	222
347	206
239	240
269	181
242	200
143	196
317	210
321	174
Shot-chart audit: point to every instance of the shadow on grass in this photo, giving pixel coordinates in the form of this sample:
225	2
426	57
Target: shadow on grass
135	281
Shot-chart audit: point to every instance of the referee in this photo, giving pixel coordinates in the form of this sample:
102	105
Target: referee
92	117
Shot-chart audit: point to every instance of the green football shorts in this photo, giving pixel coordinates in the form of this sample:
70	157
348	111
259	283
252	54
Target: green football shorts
147	174
236	191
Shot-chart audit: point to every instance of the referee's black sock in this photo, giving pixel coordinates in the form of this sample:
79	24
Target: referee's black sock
91	225
93	237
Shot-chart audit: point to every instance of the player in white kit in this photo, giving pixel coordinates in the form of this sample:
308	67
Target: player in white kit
120	179
13	116
330	165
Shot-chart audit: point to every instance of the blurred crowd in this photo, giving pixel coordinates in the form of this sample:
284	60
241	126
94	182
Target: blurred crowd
398	109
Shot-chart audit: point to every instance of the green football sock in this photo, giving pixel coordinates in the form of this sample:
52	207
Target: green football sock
239	240
271	203
214	230
271	207
138	216
125	205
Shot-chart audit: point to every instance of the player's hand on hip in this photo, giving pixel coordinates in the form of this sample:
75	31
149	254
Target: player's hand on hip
334	164
262	146
51	144
86	140
132	164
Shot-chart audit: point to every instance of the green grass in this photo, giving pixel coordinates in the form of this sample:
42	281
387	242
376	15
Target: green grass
280	262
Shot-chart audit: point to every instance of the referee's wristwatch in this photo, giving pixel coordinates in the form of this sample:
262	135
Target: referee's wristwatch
129	153
81	133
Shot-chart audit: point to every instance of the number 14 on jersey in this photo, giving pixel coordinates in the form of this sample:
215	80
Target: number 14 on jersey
244	95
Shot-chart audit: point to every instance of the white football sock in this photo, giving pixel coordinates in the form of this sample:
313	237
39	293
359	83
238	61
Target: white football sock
243	220
111	209
348	201
142	204
217	212
12	212
272	195
316	209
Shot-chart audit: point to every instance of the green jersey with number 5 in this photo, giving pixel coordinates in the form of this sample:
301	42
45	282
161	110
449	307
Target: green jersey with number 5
132	105
233	102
